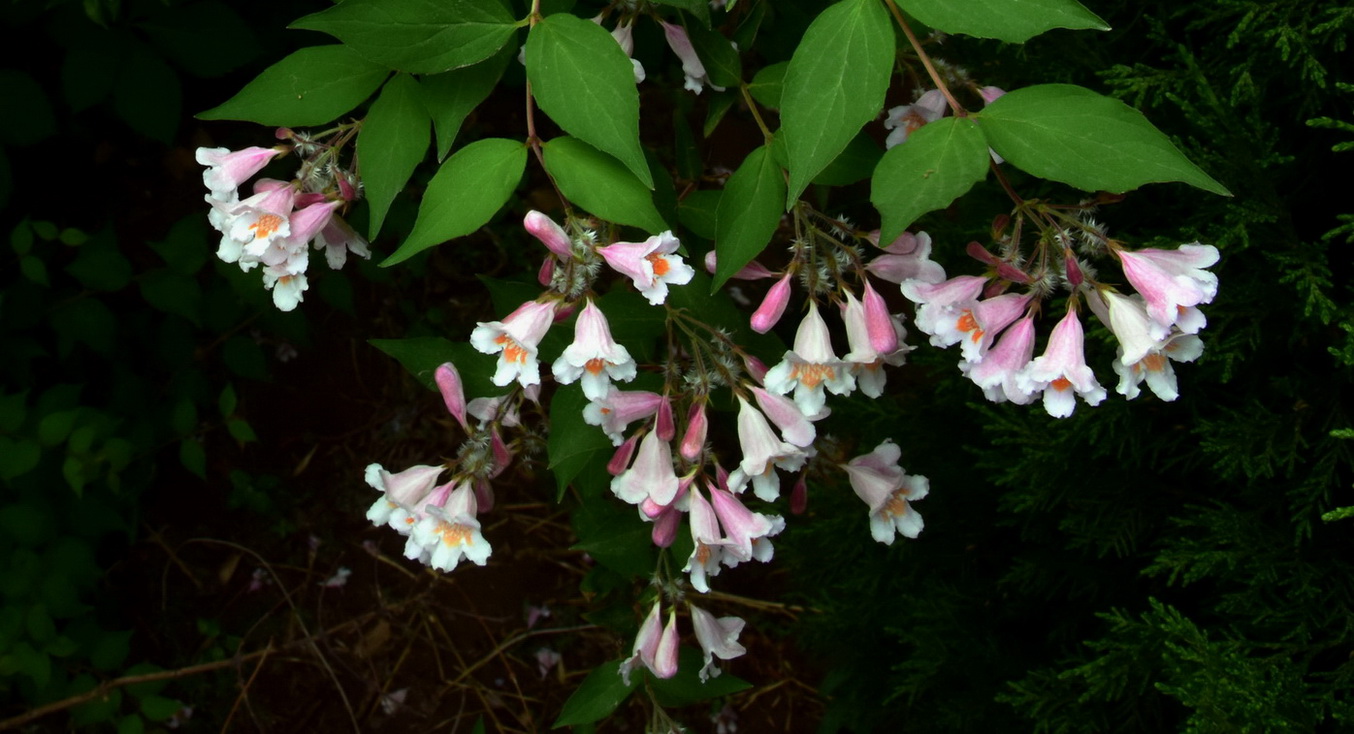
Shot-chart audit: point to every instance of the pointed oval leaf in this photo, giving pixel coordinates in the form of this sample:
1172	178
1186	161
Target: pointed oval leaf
585	82
597	696
834	85
748	214
393	140
451	96
939	163
467	190
1014	21
718	56
767	84
599	183
310	87
417	36
1070	134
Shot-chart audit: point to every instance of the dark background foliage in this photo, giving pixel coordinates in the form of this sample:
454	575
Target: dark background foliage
1142	566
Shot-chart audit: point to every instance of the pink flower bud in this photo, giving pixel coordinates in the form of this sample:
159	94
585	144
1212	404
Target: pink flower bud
502	456
1074	275
755	367
484	496
283	133
878	322
752	271
620	460
773	306
547	271
453	392
990	94
980	253
665	528
664	424
549	233
693	441
665	660
1012	273
799	496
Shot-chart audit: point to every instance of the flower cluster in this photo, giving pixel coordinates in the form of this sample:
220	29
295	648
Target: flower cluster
275	227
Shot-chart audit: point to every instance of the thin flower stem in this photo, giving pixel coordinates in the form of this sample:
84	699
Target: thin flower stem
959	110
752	106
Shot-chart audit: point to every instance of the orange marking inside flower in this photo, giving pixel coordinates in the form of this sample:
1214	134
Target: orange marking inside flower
660	264
1154	362
266	225
595	365
895	505
456	534
512	351
812	375
1060	384
970	324
702	553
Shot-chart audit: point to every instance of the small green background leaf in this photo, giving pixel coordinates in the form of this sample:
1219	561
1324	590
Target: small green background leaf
597	696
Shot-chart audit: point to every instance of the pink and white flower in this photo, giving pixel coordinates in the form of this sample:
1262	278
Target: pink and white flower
904	120
1155	367
811	367
1172	281
594	356
882	484
745	531
718	638
255	221
651	477
228	169
619	409
998	373
1061	373
709	549
696	77
867	364
449	533
1127	318
337	238
940	305
906	258
762	453
516	339
647	644
652	265
404	489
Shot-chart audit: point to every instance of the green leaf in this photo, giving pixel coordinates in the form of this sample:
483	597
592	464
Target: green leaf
1070	134
698	8
184	417
132	724
611	533
174	293
17	457
421	356
110	650
207	39
21	238
417	36
227	401
855	163
717	55
394	137
101	266
467	190
686	687
601	184
939	163
193	457
55	427
12	411
834	85
34	269
719	105
1013	21
748	214
310	87
148	95
698	212
450	96
27	115
597	696
574	445
241	431
768	84
159	708
585	82
185	249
